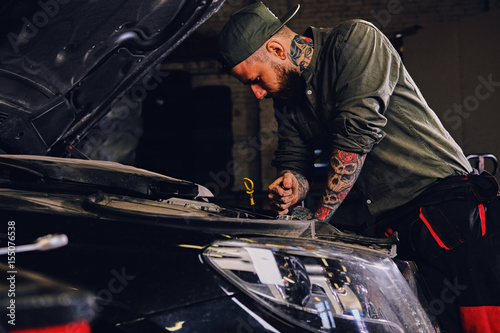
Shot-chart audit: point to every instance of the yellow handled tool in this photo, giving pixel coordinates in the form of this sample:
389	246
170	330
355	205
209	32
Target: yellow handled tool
249	186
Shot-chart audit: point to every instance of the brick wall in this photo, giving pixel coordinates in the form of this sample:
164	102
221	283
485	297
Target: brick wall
253	124
389	15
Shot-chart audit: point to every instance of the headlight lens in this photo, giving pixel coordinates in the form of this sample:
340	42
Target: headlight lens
322	286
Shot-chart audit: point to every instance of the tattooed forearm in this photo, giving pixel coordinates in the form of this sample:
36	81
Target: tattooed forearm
343	172
301	51
303	183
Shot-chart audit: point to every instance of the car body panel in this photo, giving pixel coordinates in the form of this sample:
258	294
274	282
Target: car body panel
138	251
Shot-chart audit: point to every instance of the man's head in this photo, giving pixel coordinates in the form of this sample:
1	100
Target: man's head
247	30
253	46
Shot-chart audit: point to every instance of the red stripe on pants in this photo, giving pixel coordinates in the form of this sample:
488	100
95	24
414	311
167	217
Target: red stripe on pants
480	319
482	216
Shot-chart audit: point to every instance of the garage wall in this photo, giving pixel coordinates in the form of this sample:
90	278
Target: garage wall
456	65
253	126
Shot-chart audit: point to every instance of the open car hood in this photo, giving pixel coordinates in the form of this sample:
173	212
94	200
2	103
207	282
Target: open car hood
63	63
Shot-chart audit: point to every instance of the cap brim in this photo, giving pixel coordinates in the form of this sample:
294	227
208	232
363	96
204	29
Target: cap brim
287	17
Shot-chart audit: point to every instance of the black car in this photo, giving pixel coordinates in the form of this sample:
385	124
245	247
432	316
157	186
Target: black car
94	246
155	254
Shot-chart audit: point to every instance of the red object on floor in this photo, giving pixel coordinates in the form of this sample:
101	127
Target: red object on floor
78	327
480	319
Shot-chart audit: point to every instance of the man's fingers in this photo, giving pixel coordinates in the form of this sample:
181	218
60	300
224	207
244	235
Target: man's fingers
281	208
283	212
282	201
275	186
276	189
288	180
282	192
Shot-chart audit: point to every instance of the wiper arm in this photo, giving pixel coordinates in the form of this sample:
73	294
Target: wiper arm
44	243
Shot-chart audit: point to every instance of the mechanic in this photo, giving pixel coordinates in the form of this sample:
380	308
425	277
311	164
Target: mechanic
346	91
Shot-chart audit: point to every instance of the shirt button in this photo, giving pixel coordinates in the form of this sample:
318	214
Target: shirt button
368	201
309	92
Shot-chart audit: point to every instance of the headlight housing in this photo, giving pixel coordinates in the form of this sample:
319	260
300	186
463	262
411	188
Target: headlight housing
322	286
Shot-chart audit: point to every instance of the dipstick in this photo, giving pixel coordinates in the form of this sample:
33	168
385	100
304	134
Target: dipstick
249	186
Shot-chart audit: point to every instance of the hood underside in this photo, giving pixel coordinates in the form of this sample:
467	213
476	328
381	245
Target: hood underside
64	63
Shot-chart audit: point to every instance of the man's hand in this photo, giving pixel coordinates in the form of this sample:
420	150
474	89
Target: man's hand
290	188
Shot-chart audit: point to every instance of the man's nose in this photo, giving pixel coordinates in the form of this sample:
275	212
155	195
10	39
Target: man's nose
258	92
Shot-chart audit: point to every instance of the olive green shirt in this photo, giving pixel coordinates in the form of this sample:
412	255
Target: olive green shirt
359	98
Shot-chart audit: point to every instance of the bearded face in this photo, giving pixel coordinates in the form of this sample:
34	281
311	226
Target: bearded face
290	83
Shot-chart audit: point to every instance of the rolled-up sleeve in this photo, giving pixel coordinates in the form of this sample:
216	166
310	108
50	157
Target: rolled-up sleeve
367	70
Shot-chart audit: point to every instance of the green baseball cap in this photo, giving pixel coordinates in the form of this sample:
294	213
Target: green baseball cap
247	30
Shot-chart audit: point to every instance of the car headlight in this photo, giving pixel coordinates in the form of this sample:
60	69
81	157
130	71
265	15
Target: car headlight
322	286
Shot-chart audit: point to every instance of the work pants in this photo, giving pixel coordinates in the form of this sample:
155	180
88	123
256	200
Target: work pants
452	233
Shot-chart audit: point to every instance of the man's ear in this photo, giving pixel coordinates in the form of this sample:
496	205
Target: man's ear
275	48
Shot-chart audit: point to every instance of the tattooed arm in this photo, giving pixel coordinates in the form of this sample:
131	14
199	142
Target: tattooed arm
289	188
343	171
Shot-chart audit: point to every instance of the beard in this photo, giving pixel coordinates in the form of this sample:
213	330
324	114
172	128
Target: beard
291	85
